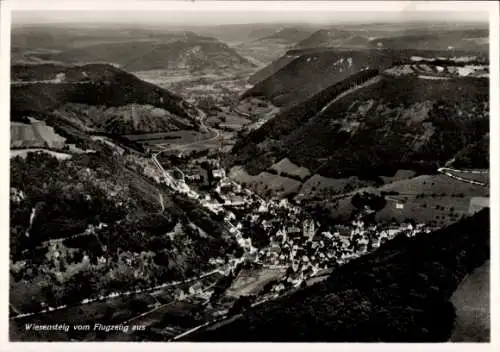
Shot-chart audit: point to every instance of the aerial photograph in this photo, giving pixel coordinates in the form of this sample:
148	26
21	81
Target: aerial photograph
199	174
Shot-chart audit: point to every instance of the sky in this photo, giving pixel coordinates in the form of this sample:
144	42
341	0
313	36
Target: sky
237	12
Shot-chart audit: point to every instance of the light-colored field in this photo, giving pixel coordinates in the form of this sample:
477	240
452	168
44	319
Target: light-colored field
435	184
439	211
258	108
153	136
440	199
173	139
24	152
436	200
398	176
287	167
252	281
265	182
36	134
472	307
232	121
318	185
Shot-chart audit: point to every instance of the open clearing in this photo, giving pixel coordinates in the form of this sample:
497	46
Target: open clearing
436	200
318	186
250	282
286	167
441	184
429	198
265	182
167	138
34	135
24	152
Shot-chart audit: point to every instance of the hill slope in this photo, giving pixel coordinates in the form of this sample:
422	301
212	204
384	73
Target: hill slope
391	123
329	38
309	73
385	296
302	73
113	92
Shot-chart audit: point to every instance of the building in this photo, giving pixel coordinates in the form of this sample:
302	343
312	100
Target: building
195	178
219	173
308	228
60	77
196	288
179	294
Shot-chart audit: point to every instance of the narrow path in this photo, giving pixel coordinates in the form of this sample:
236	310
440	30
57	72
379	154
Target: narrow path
161	203
17	311
352	90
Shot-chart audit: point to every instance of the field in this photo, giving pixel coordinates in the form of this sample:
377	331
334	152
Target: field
398	176
188	84
36	134
436	200
430	199
265	182
286	167
257	107
428	184
23	152
173	140
318	186
228	121
250	282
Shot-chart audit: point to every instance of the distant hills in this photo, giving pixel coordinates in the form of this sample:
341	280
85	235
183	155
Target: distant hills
137	52
287	35
98	97
273	44
418	38
329	38
301	73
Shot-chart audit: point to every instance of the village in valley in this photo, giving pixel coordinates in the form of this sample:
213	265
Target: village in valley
283	247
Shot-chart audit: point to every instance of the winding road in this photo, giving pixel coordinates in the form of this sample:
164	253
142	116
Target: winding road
447	171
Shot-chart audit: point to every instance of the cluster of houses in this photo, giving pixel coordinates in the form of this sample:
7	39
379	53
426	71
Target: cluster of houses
308	253
296	241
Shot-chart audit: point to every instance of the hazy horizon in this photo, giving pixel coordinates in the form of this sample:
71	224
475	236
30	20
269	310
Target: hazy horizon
207	17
